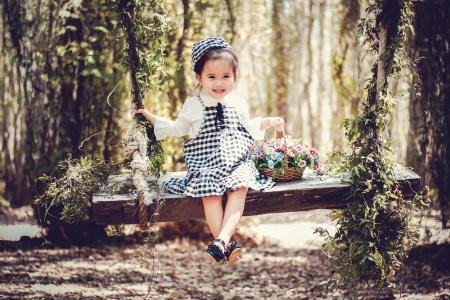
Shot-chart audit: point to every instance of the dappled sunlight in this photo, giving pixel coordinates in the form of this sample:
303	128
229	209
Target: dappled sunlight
13	232
296	235
269	269
293	230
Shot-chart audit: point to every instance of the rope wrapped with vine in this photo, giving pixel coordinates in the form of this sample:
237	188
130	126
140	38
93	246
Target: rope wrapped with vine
136	141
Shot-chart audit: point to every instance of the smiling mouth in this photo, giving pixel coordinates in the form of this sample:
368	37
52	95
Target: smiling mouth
218	91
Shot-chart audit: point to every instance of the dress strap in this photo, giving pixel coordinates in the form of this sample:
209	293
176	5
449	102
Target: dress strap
201	101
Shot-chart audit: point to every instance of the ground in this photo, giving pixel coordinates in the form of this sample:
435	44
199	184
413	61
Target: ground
282	259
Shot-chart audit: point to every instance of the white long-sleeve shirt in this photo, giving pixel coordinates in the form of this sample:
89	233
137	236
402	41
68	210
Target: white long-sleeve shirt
190	117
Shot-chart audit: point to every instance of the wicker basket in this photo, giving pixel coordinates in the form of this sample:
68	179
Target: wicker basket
289	173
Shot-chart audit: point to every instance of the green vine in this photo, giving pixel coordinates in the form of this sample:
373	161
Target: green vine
146	26
73	189
375	231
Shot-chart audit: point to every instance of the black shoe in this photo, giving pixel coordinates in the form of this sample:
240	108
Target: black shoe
215	253
233	251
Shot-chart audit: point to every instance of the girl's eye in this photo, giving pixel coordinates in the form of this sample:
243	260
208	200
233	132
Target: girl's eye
227	76
211	77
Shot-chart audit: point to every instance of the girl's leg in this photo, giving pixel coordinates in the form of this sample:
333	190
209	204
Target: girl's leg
213	213
233	212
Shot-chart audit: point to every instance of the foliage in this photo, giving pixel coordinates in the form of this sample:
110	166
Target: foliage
82	68
74	188
69	62
155	150
375	230
87	50
149	28
115	230
145	25
78	179
3	203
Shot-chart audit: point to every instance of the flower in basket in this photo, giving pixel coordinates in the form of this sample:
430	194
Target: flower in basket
278	155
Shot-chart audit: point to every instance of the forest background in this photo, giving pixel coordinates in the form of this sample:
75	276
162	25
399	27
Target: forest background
65	89
302	60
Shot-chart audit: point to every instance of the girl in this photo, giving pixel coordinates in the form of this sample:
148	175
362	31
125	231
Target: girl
218	156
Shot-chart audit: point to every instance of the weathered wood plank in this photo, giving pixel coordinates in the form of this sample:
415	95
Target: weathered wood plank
312	192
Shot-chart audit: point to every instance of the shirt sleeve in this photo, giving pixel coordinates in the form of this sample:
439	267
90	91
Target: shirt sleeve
253	125
165	127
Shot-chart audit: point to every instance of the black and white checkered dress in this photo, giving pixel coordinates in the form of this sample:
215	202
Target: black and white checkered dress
218	158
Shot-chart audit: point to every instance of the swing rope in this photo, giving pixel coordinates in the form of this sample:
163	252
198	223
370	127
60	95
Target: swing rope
136	139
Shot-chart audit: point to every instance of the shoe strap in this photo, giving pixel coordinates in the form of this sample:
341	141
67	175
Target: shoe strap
216	253
220	241
233	244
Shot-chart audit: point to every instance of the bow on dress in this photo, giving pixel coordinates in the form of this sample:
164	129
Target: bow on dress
220	122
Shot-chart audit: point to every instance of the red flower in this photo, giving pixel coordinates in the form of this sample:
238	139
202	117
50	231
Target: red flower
313	152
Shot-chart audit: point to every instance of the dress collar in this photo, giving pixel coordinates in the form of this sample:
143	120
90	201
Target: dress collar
210	101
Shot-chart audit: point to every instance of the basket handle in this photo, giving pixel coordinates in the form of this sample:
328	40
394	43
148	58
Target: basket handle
277	133
285	159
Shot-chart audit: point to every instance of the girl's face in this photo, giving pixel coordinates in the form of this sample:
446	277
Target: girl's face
217	78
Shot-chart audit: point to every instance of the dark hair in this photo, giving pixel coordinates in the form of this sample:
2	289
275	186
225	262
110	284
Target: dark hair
226	54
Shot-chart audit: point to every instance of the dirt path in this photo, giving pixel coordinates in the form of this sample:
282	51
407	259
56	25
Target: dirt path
291	267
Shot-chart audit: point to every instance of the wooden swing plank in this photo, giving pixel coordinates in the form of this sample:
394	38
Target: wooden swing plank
312	192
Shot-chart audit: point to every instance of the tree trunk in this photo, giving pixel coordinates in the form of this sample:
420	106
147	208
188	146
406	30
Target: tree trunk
317	121
346	70
19	163
12	157
430	116
180	75
231	20
308	80
280	60
297	57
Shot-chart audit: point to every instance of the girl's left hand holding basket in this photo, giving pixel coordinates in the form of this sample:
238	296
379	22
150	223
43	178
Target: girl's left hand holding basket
275	122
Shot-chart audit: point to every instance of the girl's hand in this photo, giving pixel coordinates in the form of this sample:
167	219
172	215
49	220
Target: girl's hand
142	111
146	115
275	122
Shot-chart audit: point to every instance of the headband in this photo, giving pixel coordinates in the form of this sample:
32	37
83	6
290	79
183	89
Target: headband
201	48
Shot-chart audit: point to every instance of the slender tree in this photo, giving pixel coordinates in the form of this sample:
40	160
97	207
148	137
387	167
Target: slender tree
429	137
280	60
346	59
309	71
